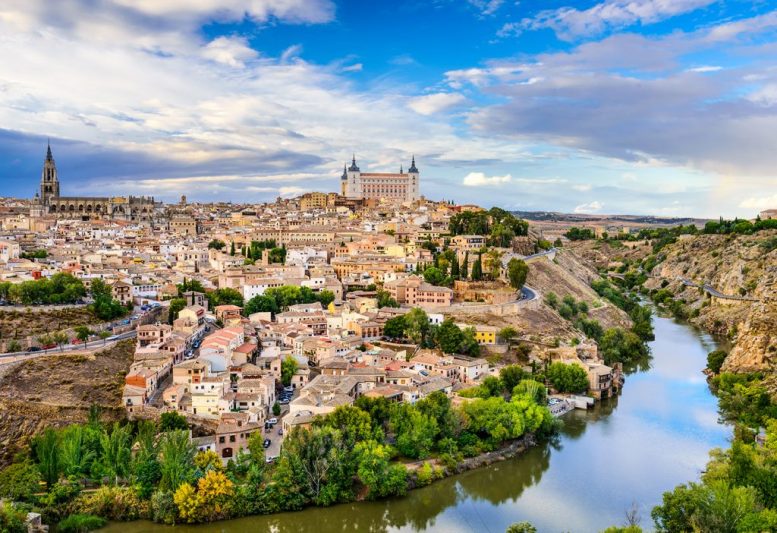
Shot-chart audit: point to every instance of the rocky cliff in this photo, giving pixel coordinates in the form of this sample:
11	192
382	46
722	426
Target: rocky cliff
728	284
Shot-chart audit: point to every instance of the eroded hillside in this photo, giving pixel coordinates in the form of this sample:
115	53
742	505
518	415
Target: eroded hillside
58	390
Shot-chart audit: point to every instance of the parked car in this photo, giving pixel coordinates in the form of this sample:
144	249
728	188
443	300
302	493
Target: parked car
267	443
272	421
280	431
288	389
269	459
33	349
284	401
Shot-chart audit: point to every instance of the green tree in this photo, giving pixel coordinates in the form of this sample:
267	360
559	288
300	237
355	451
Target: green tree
395	327
715	360
224	296
377	473
385	300
511	375
568	377
47	455
176	305
288	368
171	421
216	244
20	481
116	451
60	339
620	346
434	275
276	409
477	269
261	304
517	271
507	334
449	336
104	334
232	248
465	266
176	459
77	457
415	432
521	527
83	333
416	325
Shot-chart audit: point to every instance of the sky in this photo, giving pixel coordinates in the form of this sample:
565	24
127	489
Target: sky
662	107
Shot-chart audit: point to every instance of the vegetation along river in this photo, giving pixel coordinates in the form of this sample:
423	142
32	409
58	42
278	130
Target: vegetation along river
627	451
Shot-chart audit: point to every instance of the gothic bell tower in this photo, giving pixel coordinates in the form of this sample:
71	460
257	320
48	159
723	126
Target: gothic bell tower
49	182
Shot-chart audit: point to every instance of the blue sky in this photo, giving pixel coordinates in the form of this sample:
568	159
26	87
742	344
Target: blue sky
664	107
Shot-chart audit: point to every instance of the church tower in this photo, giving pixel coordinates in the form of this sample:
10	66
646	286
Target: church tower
49	182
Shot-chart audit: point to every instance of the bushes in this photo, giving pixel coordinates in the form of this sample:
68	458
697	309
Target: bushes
12	518
113	503
715	360
568	378
620	346
80	523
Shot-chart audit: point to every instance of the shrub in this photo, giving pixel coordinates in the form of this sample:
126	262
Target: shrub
113	503
80	523
163	508
715	360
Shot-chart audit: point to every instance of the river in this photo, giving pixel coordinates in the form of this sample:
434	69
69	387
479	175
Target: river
624	452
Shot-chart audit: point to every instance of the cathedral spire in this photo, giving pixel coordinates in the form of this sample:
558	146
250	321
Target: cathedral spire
353	167
413	168
49	157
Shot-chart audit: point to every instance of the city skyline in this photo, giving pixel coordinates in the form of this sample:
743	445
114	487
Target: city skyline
642	107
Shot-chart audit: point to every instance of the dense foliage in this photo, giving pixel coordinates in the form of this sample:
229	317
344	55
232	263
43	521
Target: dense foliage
447	336
567	377
151	471
579	234
58	289
500	225
277	299
104	305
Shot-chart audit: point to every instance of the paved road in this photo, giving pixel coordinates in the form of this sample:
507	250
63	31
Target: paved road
67	348
528	294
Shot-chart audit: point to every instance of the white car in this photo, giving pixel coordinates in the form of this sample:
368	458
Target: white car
273	421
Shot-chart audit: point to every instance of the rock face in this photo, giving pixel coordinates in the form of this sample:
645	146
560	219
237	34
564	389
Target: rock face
739	265
756	341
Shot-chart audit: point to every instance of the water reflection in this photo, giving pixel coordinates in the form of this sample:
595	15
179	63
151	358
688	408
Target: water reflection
628	449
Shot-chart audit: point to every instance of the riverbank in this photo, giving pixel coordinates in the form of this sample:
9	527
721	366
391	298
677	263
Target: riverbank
626	450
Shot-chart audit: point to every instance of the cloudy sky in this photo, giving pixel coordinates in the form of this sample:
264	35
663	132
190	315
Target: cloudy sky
664	107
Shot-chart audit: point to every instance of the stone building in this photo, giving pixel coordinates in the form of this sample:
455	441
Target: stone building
127	208
403	186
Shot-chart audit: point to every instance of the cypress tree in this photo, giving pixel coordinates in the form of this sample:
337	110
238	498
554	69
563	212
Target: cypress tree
477	269
465	266
455	266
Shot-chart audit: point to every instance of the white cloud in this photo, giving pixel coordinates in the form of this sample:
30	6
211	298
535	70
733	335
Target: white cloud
591	207
762	203
291	53
487	7
583	187
570	23
434	103
232	51
705	68
479	179
356	67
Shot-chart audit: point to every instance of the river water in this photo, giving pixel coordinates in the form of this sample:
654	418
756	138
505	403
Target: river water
622	453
